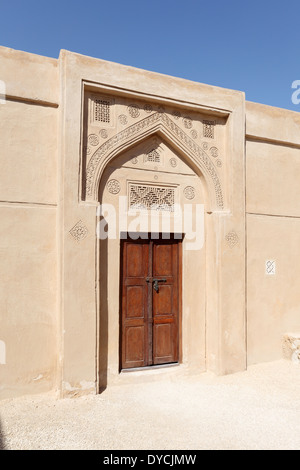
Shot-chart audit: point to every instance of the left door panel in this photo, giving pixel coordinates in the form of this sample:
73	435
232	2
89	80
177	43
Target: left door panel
135	262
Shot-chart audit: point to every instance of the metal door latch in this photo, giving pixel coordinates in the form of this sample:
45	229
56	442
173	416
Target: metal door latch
155	282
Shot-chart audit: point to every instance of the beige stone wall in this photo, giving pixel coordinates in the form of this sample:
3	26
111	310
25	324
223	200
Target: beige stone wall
273	228
55	160
28	207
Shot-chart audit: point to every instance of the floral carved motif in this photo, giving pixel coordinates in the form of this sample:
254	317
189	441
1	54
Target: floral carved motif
103	133
148	108
189	192
187	123
134	111
93	139
113	186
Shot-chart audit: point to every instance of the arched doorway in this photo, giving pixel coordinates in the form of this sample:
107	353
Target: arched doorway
155	201
205	130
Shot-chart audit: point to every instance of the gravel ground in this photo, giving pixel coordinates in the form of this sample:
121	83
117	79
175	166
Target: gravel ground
256	409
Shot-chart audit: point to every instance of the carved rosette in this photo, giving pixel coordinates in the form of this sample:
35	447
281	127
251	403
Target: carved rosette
113	186
123	119
214	152
103	133
187	122
134	111
148	108
189	192
93	139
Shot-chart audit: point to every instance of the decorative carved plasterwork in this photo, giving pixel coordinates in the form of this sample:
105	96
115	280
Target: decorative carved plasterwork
173	162
208	129
176	114
214	152
134	111
154	121
113	186
79	231
232	239
161	109
147	197
101	110
103	133
148	108
189	192
93	139
187	123
123	119
152	156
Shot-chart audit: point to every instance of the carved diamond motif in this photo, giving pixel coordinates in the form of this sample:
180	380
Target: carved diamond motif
79	231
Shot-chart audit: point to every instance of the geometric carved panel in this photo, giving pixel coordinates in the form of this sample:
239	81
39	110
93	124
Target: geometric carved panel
208	129
148	197
152	156
101	111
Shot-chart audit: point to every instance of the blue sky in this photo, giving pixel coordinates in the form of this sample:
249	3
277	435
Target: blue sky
253	46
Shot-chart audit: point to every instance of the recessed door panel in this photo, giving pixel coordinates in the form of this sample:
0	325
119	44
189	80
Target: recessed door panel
150	302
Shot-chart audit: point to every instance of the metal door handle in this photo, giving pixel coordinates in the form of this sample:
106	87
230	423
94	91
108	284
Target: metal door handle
155	282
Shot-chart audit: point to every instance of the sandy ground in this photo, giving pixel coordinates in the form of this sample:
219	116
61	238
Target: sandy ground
256	409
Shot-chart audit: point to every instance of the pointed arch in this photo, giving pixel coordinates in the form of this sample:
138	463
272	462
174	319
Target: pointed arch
155	123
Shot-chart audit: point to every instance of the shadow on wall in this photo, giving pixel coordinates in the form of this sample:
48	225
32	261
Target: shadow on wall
2	440
103	337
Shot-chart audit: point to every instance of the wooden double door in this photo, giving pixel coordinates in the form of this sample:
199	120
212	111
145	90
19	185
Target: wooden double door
150	302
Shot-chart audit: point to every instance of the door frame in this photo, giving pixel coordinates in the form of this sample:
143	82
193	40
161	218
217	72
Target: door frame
152	236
